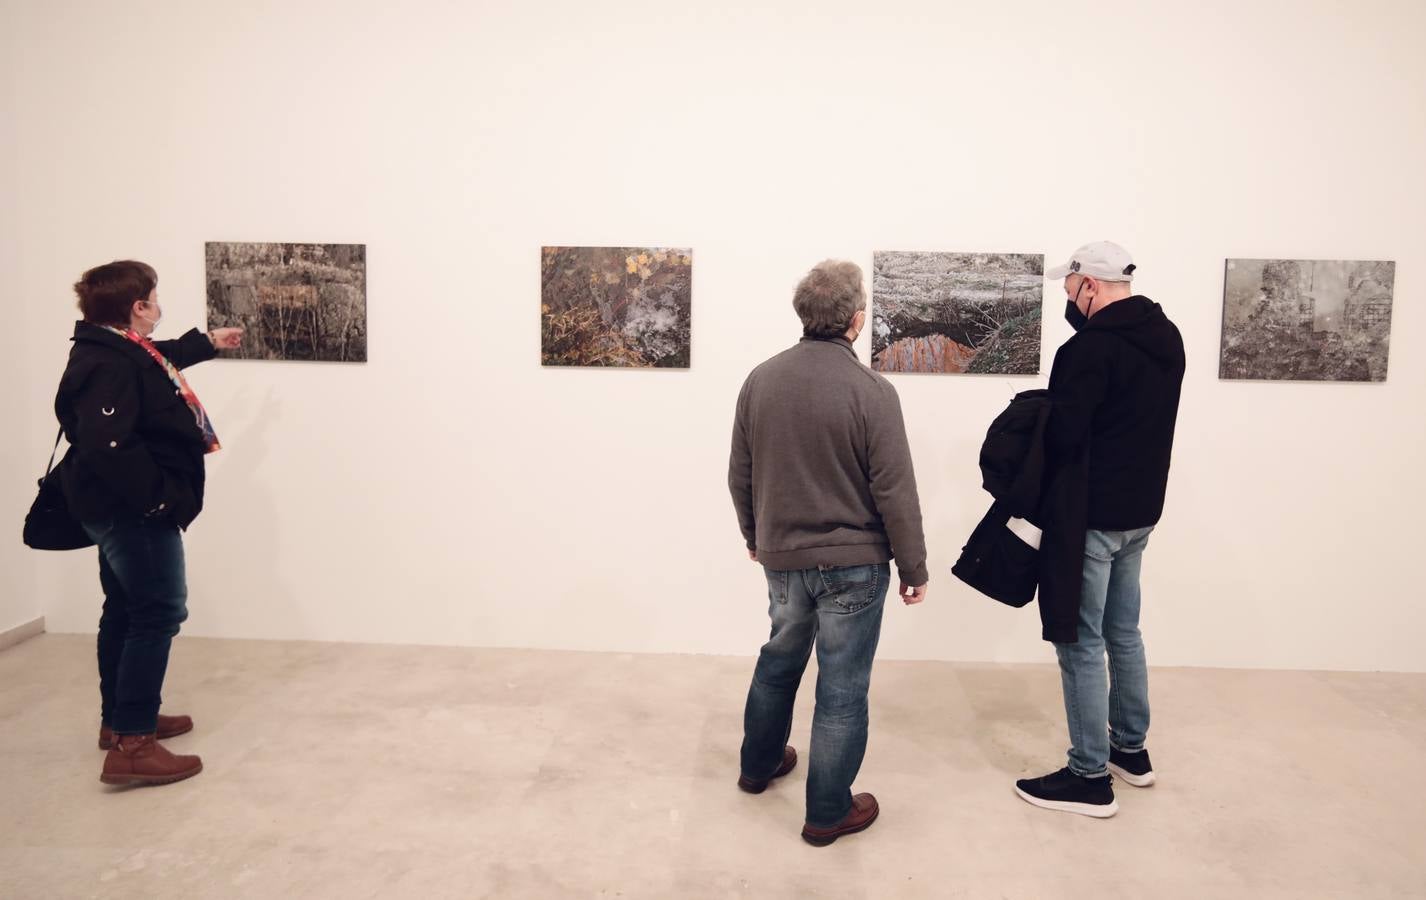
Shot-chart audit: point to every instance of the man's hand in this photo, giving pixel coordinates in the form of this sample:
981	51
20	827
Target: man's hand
912	595
226	338
753	555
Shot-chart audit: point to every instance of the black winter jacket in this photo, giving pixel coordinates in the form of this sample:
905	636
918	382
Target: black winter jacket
1051	493
135	447
1114	392
1115	388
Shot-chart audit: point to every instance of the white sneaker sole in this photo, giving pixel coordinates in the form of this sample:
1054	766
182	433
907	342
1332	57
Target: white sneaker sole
1093	810
1145	780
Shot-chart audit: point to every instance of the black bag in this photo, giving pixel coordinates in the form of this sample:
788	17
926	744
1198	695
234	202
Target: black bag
997	562
49	526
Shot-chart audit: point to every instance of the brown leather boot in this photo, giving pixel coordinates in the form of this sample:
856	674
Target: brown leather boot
754	786
141	759
864	812
168	726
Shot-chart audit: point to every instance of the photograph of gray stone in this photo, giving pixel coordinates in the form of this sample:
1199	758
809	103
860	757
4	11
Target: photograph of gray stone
625	307
1306	320
297	301
973	313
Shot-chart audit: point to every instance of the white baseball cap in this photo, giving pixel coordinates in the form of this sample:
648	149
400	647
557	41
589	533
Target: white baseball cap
1102	259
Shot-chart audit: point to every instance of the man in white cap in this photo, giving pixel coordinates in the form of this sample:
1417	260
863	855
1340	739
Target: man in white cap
1115	392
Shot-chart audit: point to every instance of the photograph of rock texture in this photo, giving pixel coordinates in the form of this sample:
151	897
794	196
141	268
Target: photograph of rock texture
976	313
1306	320
616	306
297	301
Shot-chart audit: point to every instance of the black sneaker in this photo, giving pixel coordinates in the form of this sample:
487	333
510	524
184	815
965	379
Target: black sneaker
1068	792
1134	768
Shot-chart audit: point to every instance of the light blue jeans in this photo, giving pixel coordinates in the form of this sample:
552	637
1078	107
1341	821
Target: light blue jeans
1113	710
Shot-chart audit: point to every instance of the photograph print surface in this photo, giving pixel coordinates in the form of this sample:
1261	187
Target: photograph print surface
1306	320
627	307
974	313
296	301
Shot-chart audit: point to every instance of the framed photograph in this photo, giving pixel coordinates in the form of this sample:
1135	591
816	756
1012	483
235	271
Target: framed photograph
973	313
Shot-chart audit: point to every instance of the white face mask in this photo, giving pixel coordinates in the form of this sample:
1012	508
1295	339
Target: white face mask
153	323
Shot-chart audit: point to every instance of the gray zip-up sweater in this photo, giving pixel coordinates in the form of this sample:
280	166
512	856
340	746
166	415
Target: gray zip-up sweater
821	470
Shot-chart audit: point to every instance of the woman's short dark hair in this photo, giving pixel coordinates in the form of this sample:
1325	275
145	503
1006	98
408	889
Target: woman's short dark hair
107	293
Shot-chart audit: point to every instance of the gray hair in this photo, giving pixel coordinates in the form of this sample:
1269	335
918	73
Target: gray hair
828	297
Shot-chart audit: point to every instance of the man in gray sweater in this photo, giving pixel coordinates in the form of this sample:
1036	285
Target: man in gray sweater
822	480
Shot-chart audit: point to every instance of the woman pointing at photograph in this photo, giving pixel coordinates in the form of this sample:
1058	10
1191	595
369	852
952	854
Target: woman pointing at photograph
134	479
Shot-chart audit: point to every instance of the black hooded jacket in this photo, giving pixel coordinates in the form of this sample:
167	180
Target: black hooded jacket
135	447
1115	388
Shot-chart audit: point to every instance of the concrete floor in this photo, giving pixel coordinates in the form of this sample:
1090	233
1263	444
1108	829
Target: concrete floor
377	771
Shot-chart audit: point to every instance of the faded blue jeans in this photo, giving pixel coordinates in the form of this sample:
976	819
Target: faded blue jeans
1112	710
141	570
838	610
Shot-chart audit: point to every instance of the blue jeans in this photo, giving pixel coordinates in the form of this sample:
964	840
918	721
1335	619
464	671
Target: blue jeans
1108	620
145	600
838	610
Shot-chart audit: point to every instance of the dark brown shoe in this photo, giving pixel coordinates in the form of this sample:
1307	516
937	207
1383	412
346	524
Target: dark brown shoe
864	812
168	726
141	759
753	786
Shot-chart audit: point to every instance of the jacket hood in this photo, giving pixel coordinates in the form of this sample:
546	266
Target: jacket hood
1143	323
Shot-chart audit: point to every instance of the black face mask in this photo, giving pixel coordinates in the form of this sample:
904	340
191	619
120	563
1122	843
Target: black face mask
1073	316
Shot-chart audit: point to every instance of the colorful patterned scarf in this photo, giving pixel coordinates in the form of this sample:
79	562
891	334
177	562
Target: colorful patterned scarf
210	437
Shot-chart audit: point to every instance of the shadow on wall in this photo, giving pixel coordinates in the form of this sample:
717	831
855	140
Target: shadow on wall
957	619
249	569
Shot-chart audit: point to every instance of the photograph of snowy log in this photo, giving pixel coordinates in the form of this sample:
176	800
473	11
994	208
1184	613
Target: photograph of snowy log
974	313
625	307
297	301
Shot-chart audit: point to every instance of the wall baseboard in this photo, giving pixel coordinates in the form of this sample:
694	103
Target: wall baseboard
21	633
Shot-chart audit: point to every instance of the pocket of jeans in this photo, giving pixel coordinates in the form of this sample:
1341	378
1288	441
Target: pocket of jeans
851	587
776	586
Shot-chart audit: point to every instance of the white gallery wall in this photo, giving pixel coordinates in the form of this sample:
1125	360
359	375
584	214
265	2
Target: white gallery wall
20	462
453	491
